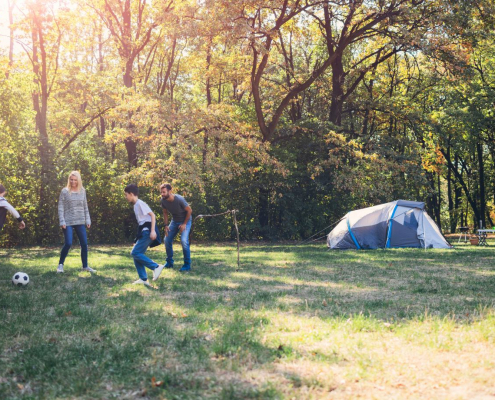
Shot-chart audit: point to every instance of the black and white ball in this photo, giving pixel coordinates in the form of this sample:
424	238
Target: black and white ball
20	279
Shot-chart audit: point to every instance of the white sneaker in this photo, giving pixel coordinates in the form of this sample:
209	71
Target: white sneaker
89	269
140	281
60	268
157	271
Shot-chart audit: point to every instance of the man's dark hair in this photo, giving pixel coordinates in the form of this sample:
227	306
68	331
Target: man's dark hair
2	189
132	188
167	186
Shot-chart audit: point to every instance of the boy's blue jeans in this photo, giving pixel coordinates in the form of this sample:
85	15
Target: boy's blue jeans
140	259
184	240
83	241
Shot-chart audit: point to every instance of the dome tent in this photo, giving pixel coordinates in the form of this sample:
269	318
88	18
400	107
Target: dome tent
399	223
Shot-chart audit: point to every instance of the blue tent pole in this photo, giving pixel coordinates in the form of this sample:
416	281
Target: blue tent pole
390	226
352	235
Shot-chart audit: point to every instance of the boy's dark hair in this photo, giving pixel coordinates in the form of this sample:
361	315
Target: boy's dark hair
2	189
132	188
167	186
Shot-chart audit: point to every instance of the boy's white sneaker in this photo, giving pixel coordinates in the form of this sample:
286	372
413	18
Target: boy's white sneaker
60	268
89	269
140	281
157	271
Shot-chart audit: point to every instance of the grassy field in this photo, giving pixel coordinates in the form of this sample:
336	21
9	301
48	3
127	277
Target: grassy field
292	322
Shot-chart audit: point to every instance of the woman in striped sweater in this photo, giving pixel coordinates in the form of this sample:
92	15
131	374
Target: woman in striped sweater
73	214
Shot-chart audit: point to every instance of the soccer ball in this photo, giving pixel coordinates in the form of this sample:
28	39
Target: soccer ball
20	279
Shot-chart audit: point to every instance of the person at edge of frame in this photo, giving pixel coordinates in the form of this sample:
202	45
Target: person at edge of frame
5	207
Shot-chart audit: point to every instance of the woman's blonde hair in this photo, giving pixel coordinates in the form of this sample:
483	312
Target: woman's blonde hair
79	181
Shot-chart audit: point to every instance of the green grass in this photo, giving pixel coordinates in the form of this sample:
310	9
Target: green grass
292	322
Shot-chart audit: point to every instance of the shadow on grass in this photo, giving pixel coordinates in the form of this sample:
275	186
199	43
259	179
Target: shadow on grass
196	332
384	284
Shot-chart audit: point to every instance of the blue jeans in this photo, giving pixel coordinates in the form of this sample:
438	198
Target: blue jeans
184	240
83	241
140	259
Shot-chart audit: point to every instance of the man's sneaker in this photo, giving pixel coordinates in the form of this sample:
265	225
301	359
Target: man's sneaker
60	268
140	281
185	268
157	271
88	269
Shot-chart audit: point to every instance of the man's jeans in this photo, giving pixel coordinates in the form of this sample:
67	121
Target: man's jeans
83	241
184	240
140	259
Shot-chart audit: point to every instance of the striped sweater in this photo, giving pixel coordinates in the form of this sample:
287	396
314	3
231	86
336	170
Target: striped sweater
73	208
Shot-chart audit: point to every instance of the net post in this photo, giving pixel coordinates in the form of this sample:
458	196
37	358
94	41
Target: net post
237	232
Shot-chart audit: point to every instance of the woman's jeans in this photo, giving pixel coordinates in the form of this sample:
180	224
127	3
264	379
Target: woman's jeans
83	241
184	240
140	259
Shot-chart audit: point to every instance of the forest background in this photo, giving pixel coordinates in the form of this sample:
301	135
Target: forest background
292	112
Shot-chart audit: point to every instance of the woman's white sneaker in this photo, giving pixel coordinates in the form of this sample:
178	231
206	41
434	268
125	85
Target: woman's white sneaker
60	268
88	269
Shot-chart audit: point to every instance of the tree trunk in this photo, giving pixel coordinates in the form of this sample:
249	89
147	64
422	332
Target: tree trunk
128	73
458	197
130	143
11	6
40	106
452	198
481	177
131	147
439	202
467	192
264	210
208	102
338	78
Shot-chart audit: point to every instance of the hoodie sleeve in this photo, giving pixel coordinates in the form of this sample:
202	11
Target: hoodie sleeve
61	208
87	218
4	203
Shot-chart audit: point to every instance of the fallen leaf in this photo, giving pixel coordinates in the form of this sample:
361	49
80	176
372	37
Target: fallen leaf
173	314
324	303
153	381
68	313
183	315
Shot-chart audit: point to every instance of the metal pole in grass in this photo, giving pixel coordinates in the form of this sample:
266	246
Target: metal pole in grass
237	232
